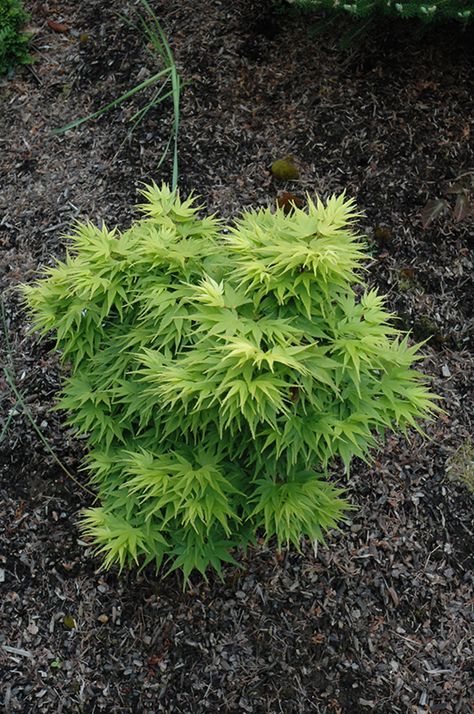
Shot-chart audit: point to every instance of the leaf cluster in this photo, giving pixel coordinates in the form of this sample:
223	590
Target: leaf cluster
461	10
217	371
463	189
13	43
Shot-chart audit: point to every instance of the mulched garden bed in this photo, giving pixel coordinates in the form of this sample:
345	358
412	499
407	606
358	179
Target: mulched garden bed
380	618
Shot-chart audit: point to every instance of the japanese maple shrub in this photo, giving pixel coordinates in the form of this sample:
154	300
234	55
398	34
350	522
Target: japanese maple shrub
217	372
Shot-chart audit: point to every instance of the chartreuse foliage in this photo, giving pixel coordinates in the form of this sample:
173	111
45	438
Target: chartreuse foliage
216	374
462	10
13	43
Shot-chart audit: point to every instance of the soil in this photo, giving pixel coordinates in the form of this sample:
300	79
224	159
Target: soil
380	618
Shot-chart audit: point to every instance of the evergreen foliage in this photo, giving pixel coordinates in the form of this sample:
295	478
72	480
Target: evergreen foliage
218	371
462	10
13	43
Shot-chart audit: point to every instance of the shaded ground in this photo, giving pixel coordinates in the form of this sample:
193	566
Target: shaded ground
378	620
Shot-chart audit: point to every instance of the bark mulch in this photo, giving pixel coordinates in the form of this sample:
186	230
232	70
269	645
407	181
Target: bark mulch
380	618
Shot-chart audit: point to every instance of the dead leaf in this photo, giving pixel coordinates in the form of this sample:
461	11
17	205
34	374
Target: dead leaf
69	622
288	201
20	509
463	207
154	660
407	273
393	595
460	185
383	234
57	26
434	208
426	85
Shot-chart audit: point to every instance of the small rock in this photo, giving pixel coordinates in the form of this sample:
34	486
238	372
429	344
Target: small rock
33	629
445	371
